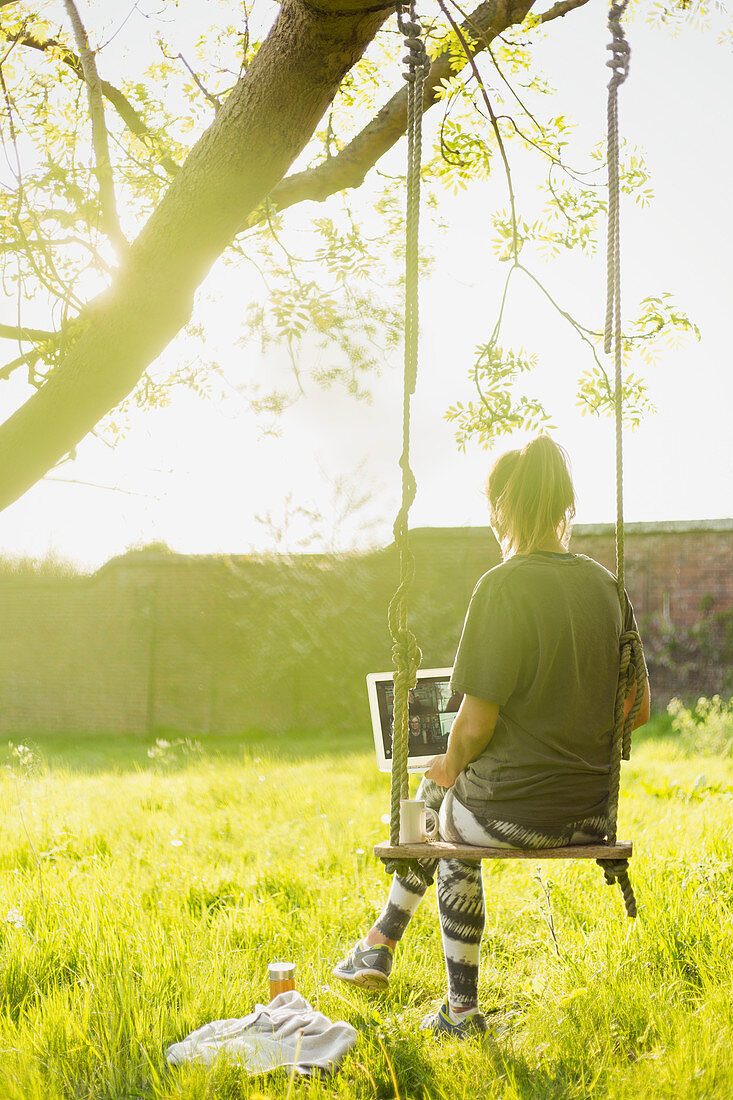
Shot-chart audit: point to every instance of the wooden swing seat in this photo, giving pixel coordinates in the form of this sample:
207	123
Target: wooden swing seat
438	849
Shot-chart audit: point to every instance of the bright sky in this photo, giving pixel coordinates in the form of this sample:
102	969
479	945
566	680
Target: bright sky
196	474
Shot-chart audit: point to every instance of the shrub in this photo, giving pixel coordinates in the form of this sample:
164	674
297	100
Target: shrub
707	727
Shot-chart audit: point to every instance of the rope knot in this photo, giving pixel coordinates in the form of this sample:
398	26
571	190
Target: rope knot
613	869
617	870
620	61
618	46
406	656
423	870
417	56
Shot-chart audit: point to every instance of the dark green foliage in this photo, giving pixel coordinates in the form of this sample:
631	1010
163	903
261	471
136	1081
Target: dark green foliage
688	652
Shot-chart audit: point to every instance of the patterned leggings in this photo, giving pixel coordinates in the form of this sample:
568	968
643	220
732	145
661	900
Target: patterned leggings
459	884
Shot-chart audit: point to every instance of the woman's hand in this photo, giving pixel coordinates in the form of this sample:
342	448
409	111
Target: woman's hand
441	772
470	733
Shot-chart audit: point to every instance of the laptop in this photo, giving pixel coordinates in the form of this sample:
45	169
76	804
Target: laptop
432	709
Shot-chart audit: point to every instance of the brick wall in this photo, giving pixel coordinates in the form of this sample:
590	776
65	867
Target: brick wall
73	653
680	580
672	571
159	642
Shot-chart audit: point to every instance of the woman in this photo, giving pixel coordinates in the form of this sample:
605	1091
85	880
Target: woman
527	762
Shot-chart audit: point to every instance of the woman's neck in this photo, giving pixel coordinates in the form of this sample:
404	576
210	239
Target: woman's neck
551	546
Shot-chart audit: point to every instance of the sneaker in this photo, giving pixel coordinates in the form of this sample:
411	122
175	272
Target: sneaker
440	1023
368	967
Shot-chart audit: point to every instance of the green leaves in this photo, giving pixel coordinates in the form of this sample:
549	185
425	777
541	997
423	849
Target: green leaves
660	323
465	156
501	410
596	396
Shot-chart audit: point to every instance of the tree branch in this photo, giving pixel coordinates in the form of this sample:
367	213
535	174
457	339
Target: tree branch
95	485
100	142
117	99
29	359
13	332
208	96
349	167
562	7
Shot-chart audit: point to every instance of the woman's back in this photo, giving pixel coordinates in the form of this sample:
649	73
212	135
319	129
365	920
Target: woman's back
541	640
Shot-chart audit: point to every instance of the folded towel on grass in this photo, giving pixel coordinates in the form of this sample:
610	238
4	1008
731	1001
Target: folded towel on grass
286	1033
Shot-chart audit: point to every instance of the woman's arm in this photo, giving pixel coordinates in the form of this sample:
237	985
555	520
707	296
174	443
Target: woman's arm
470	733
644	710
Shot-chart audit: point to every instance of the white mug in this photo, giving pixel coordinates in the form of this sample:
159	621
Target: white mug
417	823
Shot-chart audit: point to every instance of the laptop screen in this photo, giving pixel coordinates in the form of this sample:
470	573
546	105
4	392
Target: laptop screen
432	708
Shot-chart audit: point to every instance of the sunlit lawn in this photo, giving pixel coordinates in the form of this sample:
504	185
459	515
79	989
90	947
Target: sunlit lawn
163	890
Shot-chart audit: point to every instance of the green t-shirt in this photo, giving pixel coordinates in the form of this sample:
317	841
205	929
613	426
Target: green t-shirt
541	639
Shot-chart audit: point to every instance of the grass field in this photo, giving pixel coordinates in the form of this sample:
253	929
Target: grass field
144	898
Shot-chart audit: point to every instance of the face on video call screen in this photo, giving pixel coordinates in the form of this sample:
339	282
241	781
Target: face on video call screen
433	707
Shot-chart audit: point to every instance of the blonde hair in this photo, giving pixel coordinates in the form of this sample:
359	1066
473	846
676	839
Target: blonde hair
531	496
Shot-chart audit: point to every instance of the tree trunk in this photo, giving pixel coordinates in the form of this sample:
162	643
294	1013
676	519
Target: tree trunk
265	123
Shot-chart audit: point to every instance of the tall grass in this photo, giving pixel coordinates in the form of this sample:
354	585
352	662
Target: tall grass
137	904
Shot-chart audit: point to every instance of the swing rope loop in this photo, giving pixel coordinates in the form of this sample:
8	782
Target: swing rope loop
406	655
632	670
